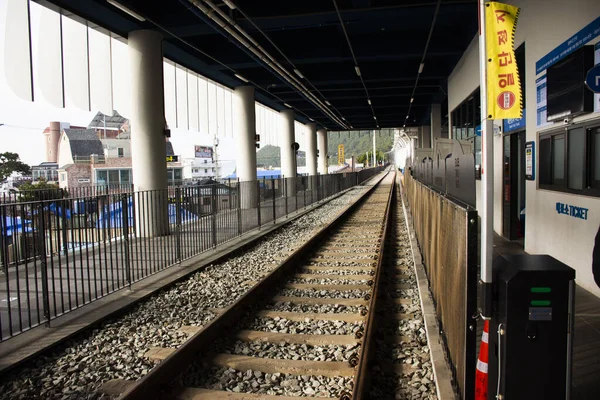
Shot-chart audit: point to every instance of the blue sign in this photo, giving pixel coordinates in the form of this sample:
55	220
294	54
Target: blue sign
514	124
591	31
478	130
572	211
592	79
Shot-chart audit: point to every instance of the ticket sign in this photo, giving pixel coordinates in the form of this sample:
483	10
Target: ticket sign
592	79
503	84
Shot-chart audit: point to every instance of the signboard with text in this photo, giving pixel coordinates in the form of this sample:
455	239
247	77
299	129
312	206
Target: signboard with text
203	152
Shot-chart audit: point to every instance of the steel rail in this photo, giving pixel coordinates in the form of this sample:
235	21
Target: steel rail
157	384
362	377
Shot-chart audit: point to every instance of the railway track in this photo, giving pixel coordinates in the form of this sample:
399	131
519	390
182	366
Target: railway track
305	330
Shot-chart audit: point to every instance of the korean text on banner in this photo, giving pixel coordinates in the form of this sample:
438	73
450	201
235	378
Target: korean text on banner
503	83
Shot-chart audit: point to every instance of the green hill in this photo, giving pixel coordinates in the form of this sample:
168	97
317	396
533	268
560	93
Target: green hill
356	143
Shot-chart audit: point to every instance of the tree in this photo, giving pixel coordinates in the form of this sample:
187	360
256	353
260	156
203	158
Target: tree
9	163
40	190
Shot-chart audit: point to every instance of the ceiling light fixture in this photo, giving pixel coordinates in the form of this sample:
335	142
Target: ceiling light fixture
412	99
421	66
241	78
328	103
343	118
357	70
375	118
287	105
298	73
126	10
312	119
230	4
369	101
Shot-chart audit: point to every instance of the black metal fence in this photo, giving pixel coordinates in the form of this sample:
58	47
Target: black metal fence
60	253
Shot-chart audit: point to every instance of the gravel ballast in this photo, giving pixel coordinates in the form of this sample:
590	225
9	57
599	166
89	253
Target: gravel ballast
76	369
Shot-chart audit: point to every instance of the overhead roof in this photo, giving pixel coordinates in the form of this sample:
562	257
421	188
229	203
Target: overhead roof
84	142
387	39
114	121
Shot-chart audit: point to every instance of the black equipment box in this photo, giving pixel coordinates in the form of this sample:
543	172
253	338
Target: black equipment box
533	311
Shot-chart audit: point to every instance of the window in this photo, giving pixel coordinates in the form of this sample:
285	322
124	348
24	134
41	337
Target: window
63	177
569	159
466	118
205	161
120	152
206	170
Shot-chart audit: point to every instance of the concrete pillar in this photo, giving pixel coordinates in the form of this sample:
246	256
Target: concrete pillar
436	122
288	155
148	146
311	149
322	145
244	128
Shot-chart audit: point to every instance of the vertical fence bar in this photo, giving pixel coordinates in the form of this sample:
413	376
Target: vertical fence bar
239	207
178	225
214	214
258	202
125	215
43	264
274	199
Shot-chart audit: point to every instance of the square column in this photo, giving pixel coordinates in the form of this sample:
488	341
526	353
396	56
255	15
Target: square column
288	154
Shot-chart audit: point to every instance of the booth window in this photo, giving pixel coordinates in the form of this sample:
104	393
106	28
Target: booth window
569	159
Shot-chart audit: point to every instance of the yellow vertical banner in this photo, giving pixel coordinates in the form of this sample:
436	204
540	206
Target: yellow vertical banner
503	84
341	159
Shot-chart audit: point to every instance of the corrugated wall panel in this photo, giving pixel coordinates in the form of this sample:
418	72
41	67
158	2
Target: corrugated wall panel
17	55
47	55
182	97
192	91
100	72
75	57
169	82
121	83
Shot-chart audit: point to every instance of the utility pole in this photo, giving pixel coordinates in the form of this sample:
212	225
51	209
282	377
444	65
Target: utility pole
374	149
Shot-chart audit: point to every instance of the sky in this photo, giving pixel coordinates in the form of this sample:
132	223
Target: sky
24	121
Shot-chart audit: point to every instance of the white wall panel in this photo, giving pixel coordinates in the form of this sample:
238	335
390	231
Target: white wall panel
17	56
100	72
182	97
75	58
121	83
212	108
192	91
170	101
47	56
203	104
228	108
220	111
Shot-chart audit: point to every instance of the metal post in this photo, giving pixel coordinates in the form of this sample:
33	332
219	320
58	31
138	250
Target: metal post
43	263
273	190
487	175
125	217
285	194
178	224
258	202
213	207
239	206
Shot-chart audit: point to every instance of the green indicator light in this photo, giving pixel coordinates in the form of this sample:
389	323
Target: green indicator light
540	303
541	290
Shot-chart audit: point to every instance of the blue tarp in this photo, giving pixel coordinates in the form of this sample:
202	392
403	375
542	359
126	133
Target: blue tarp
58	210
112	216
268	174
10	225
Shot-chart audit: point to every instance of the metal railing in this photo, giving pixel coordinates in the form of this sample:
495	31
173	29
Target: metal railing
447	236
60	253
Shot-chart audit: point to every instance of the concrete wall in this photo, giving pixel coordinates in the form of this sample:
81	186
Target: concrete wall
542	26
